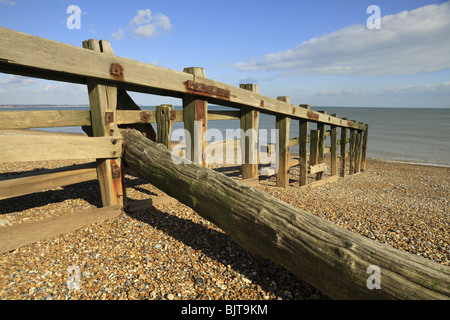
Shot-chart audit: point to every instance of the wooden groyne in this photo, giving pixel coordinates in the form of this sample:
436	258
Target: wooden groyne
108	79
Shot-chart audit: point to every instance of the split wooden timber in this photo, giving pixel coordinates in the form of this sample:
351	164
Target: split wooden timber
332	259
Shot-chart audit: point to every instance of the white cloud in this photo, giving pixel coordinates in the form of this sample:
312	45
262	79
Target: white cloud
119	35
423	90
17	81
59	88
142	17
434	89
8	2
145	25
409	42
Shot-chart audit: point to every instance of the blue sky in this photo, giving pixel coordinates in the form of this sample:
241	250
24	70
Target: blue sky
320	53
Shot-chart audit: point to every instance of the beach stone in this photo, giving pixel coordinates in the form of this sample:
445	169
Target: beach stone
4	222
121	258
169	296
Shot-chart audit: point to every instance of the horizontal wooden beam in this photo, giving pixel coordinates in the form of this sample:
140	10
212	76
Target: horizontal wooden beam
23	185
57	147
44	119
223	115
136	205
74	118
317	168
29	55
320	182
19	235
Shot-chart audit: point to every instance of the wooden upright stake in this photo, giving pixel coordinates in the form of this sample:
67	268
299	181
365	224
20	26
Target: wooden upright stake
321	146
249	126
303	149
352	150
164	124
364	148
343	149
358	144
283	125
334	140
195	117
313	147
103	102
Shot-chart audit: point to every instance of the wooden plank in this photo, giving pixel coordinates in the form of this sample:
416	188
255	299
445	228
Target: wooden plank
334	143
317	168
19	235
223	115
25	185
137	205
249	125
321	182
135	116
303	149
195	118
164	124
29	55
283	126
57	147
44	119
103	101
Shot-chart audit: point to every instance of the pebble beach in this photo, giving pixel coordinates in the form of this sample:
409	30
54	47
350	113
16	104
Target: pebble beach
168	252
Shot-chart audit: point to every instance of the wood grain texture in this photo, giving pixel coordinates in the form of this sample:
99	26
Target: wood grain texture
333	259
25	233
29	55
36	183
57	147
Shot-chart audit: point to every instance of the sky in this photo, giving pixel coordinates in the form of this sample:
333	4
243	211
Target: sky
357	53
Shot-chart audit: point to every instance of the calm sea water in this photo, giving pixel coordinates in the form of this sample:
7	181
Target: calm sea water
411	135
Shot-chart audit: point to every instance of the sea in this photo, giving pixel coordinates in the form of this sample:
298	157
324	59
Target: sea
398	134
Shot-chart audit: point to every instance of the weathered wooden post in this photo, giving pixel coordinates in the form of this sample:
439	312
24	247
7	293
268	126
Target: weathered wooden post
352	150
195	117
321	146
283	126
164	124
103	103
358	145
249	126
313	149
343	149
364	148
334	142
303	148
